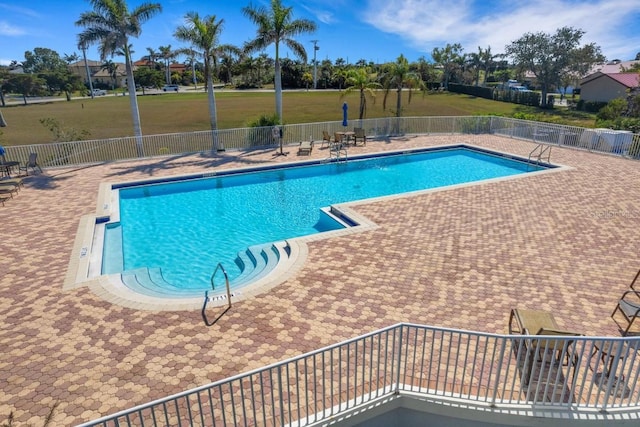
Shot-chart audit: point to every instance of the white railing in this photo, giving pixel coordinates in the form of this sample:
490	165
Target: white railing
566	374
81	153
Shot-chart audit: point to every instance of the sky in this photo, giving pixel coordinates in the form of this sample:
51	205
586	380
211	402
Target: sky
373	30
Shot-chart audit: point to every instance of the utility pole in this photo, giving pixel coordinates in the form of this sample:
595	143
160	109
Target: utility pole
315	63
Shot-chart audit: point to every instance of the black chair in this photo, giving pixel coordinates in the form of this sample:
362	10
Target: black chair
629	306
31	163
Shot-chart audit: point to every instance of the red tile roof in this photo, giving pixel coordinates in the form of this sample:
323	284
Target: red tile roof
627	79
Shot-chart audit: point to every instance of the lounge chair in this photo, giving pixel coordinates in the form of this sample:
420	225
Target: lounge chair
326	139
3	199
16	182
358	133
305	147
31	163
535	322
8	190
629	306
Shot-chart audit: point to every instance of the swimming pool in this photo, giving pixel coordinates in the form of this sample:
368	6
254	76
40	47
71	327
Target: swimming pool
185	227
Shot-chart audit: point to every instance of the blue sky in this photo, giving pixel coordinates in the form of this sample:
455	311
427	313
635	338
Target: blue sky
374	30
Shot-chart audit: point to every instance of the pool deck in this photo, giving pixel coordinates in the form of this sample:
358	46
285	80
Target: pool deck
566	242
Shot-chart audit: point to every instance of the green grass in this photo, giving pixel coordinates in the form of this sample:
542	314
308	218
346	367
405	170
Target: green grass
108	117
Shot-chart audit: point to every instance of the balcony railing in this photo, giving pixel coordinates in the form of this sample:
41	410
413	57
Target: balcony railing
80	153
570	375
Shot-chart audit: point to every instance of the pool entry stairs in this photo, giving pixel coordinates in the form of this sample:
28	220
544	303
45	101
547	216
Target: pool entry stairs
255	263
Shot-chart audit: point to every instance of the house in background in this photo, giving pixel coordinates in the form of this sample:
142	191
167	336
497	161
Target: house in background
79	69
615	66
603	87
104	77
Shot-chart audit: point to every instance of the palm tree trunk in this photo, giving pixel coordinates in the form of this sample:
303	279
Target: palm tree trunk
133	103
278	87
363	102
399	102
213	114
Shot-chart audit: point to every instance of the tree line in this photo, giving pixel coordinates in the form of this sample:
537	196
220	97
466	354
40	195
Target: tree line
554	60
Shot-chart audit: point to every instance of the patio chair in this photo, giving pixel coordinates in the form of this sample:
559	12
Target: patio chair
549	350
629	306
326	139
3	199
358	133
635	279
305	147
31	163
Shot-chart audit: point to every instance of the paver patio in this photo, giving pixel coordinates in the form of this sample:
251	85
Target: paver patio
566	242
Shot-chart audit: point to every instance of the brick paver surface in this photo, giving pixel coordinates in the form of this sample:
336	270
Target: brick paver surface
566	242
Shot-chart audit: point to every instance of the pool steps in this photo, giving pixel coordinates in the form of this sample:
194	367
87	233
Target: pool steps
255	263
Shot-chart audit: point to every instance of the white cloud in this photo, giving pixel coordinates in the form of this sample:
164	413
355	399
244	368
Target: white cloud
6	29
429	23
19	10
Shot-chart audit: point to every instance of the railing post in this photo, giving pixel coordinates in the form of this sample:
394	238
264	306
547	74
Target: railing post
399	359
498	372
282	423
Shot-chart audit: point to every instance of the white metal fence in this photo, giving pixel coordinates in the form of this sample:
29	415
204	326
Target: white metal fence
80	153
570	374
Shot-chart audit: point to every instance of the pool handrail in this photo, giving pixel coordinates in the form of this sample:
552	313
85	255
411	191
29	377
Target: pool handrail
219	267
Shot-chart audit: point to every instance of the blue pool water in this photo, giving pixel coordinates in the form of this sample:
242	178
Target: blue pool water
187	227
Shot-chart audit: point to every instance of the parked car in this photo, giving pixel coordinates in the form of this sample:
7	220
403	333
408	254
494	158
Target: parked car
520	88
170	88
99	92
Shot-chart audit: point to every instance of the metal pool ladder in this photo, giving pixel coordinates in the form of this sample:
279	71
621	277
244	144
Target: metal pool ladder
539	153
337	149
213	288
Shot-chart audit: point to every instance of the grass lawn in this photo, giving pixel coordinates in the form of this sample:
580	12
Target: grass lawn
108	117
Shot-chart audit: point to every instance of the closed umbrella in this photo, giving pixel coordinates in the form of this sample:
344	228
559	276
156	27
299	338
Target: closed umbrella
345	107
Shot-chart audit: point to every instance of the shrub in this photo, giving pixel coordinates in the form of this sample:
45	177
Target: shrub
264	120
479	91
590	106
612	110
261	135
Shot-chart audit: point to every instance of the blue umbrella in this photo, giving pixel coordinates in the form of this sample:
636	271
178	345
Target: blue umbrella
344	114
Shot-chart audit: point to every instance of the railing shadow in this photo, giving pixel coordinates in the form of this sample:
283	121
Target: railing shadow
197	160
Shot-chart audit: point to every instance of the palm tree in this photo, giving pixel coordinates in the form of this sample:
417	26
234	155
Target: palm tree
225	54
112	68
275	26
167	55
486	57
363	81
475	62
203	33
397	76
70	59
152	57
110	24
